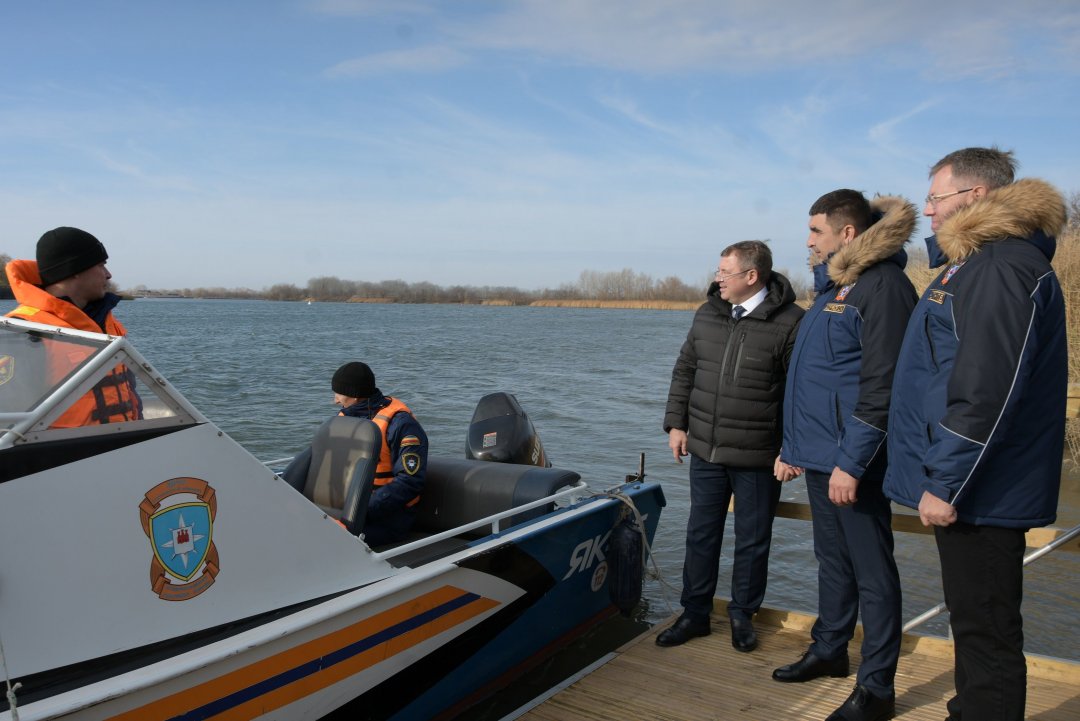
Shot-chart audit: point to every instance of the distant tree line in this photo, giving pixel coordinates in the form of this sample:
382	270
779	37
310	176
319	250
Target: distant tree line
5	287
592	285
624	284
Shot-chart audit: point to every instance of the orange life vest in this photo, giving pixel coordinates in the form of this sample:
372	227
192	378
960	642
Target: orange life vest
113	399
384	472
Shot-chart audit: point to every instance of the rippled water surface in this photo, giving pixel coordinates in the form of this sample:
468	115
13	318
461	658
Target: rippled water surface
594	382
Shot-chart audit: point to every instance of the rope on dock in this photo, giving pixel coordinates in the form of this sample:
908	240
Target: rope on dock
10	688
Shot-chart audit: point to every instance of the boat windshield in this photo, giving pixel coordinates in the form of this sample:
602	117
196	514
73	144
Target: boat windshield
44	370
34	364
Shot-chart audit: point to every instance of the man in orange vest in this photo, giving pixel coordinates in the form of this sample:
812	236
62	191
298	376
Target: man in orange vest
67	286
399	477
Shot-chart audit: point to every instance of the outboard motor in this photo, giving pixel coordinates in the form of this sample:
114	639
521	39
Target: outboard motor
501	432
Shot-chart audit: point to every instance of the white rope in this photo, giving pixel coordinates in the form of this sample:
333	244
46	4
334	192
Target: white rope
10	689
655	573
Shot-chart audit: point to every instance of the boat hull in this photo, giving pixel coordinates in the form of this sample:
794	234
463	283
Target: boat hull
429	641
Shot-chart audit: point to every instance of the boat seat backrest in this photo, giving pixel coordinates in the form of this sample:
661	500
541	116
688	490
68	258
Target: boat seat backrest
337	472
458	491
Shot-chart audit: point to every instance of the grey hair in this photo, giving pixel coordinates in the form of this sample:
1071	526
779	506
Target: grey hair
990	166
752	254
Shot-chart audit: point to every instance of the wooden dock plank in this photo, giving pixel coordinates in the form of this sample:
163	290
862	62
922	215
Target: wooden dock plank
708	680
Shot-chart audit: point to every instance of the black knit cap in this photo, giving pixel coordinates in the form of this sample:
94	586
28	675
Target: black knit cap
354	380
63	252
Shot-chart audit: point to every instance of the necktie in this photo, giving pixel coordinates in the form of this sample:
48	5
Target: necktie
737	312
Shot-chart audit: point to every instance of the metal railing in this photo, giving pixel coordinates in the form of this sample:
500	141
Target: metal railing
571	493
1035	555
1043	540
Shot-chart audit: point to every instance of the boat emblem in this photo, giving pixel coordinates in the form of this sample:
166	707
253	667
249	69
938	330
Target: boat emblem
7	368
599	576
177	517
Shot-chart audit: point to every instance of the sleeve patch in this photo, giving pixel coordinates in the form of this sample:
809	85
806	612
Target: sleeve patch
411	463
410	441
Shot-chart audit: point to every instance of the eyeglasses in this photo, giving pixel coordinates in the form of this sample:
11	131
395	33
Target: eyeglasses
721	277
932	200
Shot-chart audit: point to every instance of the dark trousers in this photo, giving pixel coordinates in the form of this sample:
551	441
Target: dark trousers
756	493
982	574
856	575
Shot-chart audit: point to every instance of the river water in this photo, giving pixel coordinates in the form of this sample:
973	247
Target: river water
593	381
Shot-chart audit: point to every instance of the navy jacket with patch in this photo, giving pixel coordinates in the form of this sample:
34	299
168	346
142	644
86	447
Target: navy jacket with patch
839	384
388	505
978	415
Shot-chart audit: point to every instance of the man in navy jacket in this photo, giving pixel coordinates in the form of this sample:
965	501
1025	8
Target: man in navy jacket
836	409
978	421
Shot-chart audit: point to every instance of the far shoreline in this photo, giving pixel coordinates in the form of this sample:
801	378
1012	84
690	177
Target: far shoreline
498	302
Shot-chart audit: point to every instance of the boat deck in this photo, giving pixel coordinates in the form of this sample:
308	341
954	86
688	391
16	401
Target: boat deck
707	679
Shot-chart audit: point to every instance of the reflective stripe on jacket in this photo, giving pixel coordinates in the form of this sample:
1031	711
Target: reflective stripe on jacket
982	378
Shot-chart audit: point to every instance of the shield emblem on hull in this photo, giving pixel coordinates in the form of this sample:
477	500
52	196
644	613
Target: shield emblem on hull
7	368
181	538
177	517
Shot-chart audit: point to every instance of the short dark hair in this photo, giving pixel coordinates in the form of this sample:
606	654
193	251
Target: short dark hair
843	207
989	166
752	254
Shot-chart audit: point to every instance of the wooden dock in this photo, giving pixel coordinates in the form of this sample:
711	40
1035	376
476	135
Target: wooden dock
708	680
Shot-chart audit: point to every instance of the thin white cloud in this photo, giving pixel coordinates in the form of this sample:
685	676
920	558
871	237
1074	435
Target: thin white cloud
882	134
370	8
651	37
962	39
420	60
629	109
128	169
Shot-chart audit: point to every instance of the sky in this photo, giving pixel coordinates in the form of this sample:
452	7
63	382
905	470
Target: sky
245	144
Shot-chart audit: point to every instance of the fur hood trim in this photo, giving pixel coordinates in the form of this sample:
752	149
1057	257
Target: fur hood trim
1016	210
880	241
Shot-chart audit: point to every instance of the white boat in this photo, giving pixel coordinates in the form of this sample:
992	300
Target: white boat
154	569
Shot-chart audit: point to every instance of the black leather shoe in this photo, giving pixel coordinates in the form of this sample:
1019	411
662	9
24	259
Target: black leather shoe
743	637
862	705
682	631
810	667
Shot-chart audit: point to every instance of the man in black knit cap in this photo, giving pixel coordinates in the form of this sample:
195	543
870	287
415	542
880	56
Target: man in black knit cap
67	286
399	477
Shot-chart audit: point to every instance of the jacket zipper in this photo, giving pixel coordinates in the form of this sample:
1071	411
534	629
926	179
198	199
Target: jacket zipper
738	357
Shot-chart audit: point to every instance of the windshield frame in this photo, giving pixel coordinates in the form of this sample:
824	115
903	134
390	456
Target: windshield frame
32	426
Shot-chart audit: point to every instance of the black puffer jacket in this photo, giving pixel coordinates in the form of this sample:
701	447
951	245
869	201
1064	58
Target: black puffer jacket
727	388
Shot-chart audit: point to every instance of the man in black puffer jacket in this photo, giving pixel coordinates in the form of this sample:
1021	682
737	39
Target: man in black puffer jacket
724	409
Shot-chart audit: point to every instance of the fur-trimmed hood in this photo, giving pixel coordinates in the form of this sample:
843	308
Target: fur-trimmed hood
880	241
1018	210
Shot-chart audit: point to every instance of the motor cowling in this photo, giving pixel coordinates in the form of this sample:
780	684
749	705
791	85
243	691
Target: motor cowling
500	431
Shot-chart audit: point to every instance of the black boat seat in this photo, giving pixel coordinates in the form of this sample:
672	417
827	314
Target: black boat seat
458	491
337	472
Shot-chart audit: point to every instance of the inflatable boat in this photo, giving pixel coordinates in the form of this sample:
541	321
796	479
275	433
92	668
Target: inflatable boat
154	569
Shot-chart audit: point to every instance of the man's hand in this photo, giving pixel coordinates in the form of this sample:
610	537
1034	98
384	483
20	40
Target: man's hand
677	443
784	472
842	487
935	512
